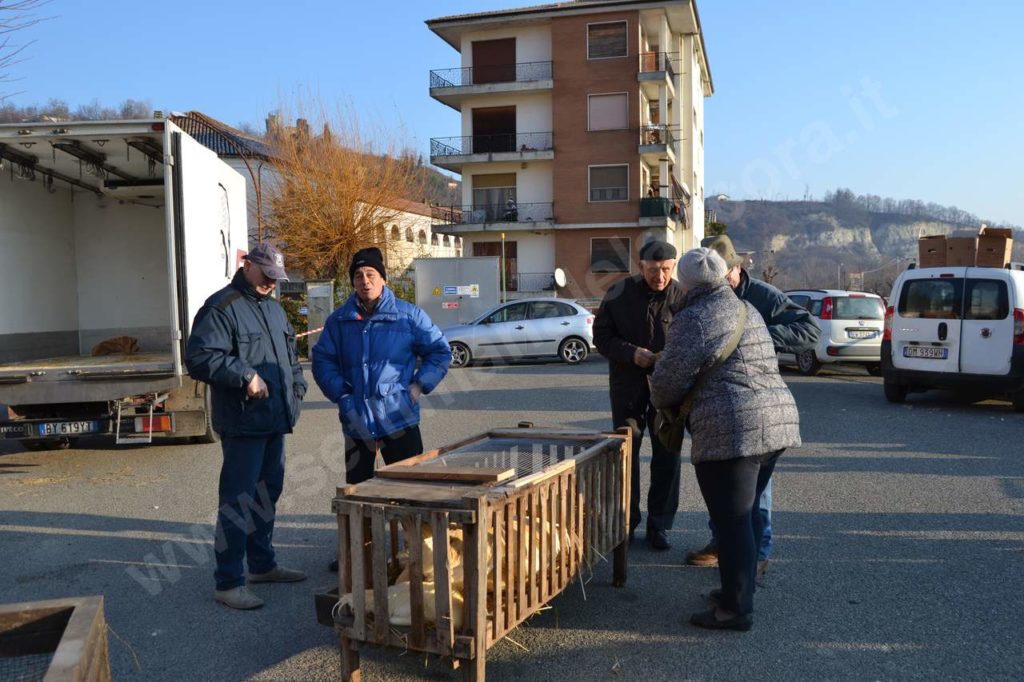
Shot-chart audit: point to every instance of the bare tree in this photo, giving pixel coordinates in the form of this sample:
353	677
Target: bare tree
337	191
15	15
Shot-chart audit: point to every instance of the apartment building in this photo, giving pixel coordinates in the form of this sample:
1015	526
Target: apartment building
582	136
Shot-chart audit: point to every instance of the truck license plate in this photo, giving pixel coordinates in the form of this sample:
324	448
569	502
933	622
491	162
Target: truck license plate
925	352
68	428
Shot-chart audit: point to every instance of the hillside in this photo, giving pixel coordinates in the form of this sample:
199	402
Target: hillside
817	243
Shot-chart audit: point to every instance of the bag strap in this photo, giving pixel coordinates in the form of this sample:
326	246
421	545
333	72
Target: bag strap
702	376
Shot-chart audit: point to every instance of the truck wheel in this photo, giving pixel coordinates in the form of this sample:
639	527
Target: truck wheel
460	354
895	393
573	350
808	363
874	369
46	444
210	436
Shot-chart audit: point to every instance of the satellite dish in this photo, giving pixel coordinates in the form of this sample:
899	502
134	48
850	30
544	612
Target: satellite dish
560	277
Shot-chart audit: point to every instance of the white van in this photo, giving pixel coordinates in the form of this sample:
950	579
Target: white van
955	327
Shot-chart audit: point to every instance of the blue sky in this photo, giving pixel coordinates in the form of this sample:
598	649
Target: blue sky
910	99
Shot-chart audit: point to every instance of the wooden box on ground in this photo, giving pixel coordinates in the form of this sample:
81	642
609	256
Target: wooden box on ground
931	251
468	541
63	640
995	247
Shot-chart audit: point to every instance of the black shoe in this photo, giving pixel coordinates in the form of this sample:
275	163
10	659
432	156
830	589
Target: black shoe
716	598
658	539
333	566
706	619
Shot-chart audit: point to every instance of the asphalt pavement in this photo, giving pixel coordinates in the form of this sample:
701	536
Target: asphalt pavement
899	535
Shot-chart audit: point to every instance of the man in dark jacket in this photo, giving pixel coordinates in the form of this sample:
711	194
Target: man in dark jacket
793	330
243	346
376	356
630	330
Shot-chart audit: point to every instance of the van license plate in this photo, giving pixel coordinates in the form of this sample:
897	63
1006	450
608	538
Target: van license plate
925	352
68	428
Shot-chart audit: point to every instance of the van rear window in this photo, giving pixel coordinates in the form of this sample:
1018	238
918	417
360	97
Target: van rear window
987	299
858	308
939	299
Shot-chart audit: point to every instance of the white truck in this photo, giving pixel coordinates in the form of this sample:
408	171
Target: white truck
112	234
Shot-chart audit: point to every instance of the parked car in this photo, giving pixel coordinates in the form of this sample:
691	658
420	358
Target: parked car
955	328
851	329
527	328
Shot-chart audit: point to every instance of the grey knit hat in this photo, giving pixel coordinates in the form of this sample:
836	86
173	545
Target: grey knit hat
701	266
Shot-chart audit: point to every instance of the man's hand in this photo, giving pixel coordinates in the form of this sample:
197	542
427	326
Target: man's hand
644	358
415	391
257	388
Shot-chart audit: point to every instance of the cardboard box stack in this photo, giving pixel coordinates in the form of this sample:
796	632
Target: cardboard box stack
990	247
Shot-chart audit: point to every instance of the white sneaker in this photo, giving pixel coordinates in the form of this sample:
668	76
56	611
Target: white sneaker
238	598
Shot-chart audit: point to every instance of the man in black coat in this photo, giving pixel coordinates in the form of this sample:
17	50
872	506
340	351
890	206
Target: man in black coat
793	330
242	345
630	330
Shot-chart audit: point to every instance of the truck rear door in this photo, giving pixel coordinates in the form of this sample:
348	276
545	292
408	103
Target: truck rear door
927	321
986	337
209	224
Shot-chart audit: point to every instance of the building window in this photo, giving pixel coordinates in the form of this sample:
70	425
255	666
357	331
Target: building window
607	112
609	183
394	232
408	234
423	236
491	196
609	254
447	241
606	40
433	239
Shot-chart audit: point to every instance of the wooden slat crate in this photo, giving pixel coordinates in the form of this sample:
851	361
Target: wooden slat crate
471	551
63	640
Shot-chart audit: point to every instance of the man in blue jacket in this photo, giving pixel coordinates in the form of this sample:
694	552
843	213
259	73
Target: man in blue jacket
243	346
376	356
793	330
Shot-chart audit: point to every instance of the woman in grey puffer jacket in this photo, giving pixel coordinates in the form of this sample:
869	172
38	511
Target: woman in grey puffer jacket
742	418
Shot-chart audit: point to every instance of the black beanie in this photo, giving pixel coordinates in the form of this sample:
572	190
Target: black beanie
370	257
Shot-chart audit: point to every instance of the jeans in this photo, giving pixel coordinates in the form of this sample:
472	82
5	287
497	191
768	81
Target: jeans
251	480
730	489
394	447
663	495
765	517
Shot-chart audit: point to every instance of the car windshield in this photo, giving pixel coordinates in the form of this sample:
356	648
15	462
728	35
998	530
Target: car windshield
858	308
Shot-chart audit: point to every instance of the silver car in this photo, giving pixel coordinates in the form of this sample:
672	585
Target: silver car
526	328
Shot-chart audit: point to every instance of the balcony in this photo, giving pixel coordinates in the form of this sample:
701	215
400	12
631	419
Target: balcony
505	216
452	152
661	212
655	70
657	142
449	86
530	282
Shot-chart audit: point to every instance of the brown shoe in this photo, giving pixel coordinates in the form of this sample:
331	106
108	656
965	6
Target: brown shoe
705	558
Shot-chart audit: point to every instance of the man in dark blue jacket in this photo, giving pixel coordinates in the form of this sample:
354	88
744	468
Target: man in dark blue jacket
376	356
793	330
243	346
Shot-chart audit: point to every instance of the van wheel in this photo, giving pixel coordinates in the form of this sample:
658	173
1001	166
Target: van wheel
1018	401
808	363
460	354
210	436
573	351
874	369
895	393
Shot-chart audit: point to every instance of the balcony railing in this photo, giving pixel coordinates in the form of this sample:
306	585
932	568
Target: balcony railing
496	213
654	133
657	61
489	144
525	72
530	282
660	207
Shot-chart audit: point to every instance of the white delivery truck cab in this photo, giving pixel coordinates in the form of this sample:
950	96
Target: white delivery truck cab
112	234
956	328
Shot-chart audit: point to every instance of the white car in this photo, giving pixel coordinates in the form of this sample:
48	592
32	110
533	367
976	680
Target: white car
955	328
527	328
851	329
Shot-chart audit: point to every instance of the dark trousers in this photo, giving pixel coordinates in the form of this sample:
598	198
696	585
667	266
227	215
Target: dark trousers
360	454
663	495
251	480
730	488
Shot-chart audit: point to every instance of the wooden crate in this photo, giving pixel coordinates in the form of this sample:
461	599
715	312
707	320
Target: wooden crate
63	640
480	548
